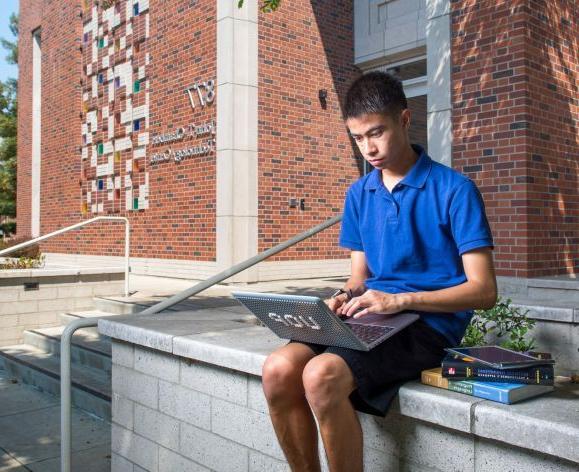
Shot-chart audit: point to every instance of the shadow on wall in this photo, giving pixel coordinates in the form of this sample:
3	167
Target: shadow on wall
541	124
334	55
553	185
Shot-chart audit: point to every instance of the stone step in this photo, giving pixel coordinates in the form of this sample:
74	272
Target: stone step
554	288
88	347
67	317
91	388
120	305
566	311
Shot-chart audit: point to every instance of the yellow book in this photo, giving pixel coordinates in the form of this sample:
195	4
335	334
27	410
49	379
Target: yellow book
434	377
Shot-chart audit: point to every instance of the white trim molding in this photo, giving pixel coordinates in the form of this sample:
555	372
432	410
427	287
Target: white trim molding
438	64
237	120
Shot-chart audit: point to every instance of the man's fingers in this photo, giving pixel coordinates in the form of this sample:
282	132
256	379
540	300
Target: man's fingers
363	312
350	307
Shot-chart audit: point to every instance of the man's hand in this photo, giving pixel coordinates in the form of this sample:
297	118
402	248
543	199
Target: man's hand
373	301
335	303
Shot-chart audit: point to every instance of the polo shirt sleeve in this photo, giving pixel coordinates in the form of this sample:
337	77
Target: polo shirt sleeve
350	232
469	224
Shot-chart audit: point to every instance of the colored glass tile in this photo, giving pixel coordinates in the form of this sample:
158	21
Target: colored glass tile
101	43
85	38
136	9
117	156
101	184
117	82
135	203
136	125
100	149
101	78
137	86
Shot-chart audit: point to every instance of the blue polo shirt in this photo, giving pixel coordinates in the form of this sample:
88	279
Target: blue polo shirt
413	238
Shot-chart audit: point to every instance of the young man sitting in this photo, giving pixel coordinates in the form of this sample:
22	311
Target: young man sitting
419	241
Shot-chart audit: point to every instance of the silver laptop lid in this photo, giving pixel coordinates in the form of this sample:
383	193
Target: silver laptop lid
300	318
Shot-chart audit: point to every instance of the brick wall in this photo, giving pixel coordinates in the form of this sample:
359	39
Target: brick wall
304	150
514	122
29	19
552	205
180	221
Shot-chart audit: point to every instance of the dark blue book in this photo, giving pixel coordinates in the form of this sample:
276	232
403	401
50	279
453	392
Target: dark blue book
455	368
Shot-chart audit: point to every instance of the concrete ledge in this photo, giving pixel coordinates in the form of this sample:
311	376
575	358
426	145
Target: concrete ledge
58	272
547	424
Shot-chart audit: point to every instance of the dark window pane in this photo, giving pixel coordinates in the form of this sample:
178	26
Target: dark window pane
417	132
408	71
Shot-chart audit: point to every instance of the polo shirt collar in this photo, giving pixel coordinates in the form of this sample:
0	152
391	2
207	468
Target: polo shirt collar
416	177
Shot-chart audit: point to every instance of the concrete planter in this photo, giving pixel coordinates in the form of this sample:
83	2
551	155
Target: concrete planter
33	298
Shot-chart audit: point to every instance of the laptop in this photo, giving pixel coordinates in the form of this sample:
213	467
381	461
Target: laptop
308	319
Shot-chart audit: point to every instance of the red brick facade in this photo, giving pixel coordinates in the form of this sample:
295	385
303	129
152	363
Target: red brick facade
304	149
30	19
514	115
515	76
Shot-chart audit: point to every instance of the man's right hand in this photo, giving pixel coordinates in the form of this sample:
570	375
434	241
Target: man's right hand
336	303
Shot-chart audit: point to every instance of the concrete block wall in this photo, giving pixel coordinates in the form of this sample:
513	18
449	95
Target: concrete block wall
175	414
65	290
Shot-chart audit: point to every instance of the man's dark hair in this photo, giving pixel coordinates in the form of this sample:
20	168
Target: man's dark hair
375	92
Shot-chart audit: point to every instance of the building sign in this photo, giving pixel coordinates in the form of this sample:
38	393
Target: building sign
181	133
202	93
190	131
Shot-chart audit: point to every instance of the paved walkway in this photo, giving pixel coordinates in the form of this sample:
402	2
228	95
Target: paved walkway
30	419
30	433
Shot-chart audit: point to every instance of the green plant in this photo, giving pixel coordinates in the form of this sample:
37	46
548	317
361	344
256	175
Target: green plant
23	263
506	323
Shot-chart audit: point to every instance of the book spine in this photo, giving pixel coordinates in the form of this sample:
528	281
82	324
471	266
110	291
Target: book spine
461	387
531	376
491	393
434	379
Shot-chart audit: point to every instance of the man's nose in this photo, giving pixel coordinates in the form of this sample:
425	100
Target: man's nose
371	147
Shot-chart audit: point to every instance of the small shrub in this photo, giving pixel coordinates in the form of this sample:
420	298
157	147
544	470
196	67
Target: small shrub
23	263
30	251
506	323
27	258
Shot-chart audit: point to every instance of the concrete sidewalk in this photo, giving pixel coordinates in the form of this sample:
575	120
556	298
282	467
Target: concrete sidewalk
30	433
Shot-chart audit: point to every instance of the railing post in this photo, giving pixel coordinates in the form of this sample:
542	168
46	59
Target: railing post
65	390
80	225
127	249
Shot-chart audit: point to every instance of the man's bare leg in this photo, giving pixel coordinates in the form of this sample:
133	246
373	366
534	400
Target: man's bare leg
290	413
328	382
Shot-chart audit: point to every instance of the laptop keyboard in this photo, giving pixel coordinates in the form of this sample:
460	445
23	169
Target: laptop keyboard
369	333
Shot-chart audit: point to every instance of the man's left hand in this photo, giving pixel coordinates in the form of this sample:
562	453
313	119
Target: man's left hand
373	301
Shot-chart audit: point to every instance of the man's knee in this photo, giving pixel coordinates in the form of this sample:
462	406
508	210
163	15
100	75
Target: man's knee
281	379
327	381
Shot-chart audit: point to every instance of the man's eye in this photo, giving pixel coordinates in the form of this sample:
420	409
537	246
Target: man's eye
376	134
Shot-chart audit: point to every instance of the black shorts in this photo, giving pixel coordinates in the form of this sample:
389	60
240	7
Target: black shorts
380	372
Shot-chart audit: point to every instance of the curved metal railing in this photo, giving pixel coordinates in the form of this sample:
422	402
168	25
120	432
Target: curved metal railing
65	377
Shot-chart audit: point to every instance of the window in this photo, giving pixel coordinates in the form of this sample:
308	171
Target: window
412	73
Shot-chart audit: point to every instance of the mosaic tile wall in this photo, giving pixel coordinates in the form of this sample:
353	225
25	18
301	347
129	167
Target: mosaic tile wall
115	100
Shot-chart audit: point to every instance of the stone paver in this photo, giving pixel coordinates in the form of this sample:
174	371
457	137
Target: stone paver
30	433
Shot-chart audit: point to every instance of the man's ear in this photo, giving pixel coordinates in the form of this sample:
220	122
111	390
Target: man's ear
405	118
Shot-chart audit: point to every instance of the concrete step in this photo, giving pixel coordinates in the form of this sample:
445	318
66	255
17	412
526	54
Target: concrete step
134	304
88	347
554	288
67	317
548	309
91	388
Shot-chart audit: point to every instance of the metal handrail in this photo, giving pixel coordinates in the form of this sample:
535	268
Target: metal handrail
66	338
79	225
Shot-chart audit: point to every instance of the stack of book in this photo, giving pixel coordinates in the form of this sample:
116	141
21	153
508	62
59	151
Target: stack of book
505	383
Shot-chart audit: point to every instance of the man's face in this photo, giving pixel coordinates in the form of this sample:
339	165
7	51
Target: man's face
382	139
